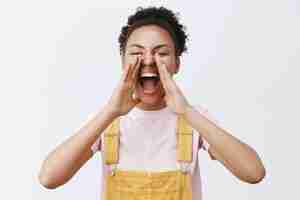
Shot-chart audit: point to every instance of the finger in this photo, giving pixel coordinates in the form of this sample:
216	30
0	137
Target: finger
132	70
136	101
166	98
135	96
136	70
162	68
126	72
163	74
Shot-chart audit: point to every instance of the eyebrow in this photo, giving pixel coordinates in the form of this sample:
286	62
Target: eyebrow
156	47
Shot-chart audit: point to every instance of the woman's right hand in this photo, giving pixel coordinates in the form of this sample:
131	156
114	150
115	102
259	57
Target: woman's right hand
122	99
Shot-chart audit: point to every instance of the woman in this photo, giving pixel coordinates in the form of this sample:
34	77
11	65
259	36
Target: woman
148	132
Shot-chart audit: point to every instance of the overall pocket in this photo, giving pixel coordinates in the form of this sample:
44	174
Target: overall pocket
157	186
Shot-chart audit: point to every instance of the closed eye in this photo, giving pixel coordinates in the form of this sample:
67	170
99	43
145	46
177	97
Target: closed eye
163	54
136	53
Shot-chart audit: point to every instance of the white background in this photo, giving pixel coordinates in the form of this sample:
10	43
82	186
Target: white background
60	62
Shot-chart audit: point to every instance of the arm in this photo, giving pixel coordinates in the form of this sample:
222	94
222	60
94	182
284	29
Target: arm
236	156
61	164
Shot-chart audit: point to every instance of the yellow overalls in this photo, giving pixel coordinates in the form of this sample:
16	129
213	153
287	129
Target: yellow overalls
137	185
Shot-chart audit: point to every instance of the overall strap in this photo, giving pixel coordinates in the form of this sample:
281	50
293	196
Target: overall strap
184	141
112	142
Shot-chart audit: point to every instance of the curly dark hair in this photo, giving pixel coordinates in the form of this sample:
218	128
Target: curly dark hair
162	17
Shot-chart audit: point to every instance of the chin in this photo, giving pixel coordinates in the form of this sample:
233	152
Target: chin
154	101
151	100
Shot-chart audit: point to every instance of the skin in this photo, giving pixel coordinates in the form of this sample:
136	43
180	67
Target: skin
144	52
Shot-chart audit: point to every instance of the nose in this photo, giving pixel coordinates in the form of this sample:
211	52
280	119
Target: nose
148	59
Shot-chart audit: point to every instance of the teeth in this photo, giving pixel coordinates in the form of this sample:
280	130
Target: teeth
148	74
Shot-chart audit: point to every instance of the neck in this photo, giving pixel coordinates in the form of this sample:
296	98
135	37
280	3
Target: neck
159	106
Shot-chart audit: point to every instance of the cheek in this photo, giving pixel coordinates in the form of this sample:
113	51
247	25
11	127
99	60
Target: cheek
171	64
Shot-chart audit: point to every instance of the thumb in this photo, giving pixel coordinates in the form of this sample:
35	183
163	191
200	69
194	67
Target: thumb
135	99
166	98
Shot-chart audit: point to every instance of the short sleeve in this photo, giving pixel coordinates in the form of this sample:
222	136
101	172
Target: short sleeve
203	144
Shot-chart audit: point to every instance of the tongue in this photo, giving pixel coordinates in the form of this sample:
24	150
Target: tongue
149	86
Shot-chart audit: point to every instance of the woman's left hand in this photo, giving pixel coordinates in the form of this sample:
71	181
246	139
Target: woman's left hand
173	95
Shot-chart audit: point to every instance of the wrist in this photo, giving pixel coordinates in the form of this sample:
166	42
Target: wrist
110	112
188	109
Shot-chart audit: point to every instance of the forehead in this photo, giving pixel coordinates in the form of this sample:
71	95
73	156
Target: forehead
150	36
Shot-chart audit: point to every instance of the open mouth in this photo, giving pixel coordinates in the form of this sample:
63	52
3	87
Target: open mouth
149	82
